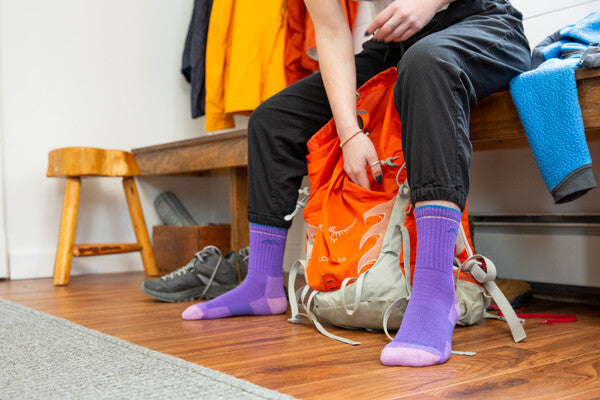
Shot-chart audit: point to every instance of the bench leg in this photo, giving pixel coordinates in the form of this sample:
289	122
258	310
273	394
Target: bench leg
66	234
139	226
238	203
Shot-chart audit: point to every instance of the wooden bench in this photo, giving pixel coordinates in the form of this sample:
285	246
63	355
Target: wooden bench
494	124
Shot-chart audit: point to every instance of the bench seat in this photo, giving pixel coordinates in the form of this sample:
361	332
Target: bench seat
494	124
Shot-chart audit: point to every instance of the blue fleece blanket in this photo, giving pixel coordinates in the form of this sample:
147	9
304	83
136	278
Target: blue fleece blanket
548	105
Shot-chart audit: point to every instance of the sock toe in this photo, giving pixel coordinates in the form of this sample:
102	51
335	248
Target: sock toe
192	313
408	357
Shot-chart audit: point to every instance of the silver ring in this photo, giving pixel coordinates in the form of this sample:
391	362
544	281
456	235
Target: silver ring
391	23
373	164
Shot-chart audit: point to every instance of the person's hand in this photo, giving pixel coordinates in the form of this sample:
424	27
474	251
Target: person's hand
360	155
402	19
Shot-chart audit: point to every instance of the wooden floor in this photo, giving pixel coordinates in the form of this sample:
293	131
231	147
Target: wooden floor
555	361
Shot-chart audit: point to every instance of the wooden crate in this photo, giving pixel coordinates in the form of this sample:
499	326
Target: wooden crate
174	246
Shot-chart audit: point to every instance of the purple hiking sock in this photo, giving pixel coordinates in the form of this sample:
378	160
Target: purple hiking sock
425	335
261	292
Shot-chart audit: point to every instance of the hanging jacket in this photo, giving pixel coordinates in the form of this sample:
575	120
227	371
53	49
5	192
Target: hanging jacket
193	62
548	105
244	58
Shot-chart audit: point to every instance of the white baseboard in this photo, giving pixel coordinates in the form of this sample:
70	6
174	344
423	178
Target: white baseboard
563	254
39	263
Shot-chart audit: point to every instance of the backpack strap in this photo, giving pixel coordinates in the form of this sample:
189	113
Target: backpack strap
406	258
406	261
296	316
357	293
307	304
320	327
474	265
387	315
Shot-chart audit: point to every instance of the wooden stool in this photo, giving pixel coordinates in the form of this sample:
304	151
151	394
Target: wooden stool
75	162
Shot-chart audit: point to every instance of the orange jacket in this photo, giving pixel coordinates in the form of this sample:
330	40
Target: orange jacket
300	39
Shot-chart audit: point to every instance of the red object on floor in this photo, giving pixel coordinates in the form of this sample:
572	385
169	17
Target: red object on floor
552	318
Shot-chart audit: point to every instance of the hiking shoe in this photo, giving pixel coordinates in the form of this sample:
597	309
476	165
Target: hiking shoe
242	259
205	276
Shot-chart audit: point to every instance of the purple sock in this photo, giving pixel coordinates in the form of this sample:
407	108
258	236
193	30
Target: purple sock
425	335
261	292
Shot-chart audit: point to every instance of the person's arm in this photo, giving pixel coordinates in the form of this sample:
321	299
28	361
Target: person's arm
403	18
336	62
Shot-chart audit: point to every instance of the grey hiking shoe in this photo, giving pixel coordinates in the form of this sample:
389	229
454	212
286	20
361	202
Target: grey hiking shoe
206	276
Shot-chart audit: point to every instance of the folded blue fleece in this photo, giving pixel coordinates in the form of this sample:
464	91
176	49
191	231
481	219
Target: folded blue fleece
548	105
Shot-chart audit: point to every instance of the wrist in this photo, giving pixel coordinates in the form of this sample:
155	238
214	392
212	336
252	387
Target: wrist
350	137
344	132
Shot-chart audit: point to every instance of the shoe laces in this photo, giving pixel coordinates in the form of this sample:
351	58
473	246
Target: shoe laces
199	256
245	253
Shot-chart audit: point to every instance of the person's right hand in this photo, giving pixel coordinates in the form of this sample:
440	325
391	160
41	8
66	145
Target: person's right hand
360	154
403	18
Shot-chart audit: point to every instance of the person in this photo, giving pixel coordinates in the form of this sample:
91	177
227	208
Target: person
448	54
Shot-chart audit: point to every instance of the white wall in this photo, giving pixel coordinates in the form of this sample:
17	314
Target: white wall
106	73
3	253
87	73
541	18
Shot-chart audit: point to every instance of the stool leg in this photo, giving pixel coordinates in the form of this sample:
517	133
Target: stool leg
66	235
139	225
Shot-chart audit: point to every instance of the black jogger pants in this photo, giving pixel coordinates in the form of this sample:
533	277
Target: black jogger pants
465	53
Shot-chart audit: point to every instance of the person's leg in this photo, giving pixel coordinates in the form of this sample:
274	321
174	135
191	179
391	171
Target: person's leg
439	79
278	131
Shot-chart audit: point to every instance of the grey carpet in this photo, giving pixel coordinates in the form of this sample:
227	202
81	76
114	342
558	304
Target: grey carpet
45	357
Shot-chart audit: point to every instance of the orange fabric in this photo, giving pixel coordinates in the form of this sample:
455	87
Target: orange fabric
300	39
346	221
244	58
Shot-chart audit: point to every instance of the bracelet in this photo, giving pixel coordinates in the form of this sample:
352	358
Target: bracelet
350	137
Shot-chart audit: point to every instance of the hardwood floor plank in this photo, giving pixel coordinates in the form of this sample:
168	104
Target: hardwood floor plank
568	377
297	360
385	383
592	394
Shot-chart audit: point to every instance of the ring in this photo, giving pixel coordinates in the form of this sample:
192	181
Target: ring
390	23
373	164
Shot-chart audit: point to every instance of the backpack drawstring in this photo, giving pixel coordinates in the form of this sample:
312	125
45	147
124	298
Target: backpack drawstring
305	191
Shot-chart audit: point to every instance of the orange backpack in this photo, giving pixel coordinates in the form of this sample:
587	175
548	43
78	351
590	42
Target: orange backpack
339	208
352	230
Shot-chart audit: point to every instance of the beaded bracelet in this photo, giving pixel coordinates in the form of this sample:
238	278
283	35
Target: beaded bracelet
350	137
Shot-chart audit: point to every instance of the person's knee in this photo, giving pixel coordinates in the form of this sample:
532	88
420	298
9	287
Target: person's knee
431	69
261	126
425	61
259	118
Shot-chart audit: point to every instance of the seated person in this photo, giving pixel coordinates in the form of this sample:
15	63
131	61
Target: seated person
448	55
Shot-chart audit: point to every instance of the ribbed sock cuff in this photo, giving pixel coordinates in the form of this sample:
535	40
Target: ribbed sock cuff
437	228
267	247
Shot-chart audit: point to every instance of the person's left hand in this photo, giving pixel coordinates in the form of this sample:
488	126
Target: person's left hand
402	19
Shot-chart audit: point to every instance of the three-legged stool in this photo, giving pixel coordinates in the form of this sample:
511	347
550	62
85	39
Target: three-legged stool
75	162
